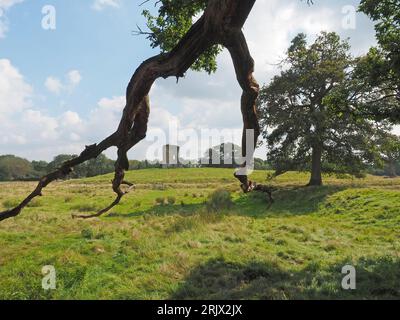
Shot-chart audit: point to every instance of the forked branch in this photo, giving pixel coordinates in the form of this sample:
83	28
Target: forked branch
221	24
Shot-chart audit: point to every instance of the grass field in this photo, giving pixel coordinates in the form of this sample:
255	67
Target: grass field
294	249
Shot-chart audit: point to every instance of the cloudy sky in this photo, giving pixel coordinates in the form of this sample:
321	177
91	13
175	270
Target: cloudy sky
62	88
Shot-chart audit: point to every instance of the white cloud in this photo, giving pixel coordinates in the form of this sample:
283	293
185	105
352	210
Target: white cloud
70	118
273	24
42	128
4	6
55	85
28	131
99	5
113	104
74	77
196	102
15	93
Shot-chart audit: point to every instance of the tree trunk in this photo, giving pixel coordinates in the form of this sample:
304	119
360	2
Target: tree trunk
392	168
316	167
221	23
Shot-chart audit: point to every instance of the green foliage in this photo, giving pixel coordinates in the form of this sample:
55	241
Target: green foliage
84	207
386	14
160	201
260	164
172	22
385	68
9	204
14	168
144	164
375	87
220	199
87	233
389	147
171	200
310	106
93	167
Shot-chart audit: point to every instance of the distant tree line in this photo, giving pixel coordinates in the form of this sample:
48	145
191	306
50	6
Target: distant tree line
13	168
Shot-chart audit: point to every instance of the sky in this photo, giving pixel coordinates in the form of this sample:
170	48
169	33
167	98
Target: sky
63	80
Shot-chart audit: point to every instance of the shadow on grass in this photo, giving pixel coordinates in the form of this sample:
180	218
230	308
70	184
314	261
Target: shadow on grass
222	280
162	210
288	201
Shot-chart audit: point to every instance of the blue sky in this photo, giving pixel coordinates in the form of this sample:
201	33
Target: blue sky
61	89
97	43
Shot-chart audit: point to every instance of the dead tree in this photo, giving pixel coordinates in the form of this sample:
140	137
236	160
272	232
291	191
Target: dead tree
220	24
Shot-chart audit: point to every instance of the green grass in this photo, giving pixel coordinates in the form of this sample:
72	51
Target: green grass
294	249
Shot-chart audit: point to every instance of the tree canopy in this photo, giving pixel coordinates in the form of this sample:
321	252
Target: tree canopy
14	168
173	21
382	64
308	112
386	14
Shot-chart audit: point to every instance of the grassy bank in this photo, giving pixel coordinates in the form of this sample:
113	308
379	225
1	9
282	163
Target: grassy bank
162	241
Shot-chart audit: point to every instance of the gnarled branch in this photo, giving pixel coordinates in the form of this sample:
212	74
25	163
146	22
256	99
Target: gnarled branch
221	24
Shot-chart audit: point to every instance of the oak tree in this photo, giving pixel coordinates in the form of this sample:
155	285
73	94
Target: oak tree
308	112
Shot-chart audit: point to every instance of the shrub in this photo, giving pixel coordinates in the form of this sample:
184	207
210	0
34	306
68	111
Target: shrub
85	207
9	204
160	201
68	199
35	203
87	233
219	200
171	200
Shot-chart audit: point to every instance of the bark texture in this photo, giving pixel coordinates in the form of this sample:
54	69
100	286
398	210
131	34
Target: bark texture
316	167
221	23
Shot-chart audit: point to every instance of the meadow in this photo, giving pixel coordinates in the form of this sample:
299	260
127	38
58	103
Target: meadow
165	241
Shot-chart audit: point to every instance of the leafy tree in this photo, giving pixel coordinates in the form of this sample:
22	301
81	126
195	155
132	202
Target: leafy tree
14	168
98	166
39	168
381	66
374	88
93	167
307	112
260	164
389	145
173	21
386	14
78	172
